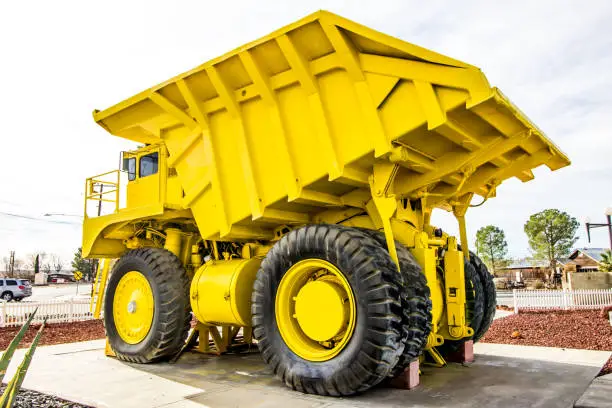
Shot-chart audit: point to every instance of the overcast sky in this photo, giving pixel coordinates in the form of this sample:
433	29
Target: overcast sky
62	59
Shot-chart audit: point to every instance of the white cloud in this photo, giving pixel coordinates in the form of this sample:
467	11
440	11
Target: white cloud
62	59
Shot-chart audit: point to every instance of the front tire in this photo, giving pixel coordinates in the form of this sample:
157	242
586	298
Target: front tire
375	341
7	296
146	307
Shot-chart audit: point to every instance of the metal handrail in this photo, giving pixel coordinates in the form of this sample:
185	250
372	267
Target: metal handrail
100	196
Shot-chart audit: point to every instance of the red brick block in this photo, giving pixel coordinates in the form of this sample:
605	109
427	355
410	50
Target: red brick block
465	353
409	379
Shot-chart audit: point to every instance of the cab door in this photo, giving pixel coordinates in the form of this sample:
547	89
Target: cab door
143	183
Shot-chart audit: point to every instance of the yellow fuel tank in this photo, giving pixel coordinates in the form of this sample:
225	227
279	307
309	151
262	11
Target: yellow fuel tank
221	291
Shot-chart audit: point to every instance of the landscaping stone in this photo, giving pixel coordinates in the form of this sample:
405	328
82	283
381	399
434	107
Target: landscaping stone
578	329
29	399
56	333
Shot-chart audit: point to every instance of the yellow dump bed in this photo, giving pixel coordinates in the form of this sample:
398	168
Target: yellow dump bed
291	124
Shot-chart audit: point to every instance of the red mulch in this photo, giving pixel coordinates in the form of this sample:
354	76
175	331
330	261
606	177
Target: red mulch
56	333
579	329
607	368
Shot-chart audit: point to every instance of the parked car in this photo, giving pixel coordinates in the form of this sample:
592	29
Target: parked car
516	285
16	289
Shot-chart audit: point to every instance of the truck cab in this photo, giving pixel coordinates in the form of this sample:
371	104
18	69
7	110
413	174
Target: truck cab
144	186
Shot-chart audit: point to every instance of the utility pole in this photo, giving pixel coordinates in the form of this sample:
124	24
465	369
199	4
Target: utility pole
12	265
100	201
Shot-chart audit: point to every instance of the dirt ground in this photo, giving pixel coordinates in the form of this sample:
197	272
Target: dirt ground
579	329
56	333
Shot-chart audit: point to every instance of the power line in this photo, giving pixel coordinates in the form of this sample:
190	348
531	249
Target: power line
26	217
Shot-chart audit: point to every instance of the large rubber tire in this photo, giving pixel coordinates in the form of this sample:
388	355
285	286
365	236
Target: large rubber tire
376	343
490	296
416	303
172	312
7	296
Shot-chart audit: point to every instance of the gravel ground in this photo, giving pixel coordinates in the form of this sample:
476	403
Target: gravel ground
30	399
56	333
579	329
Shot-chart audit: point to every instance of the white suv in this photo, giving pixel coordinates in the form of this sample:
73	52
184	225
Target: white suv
14	289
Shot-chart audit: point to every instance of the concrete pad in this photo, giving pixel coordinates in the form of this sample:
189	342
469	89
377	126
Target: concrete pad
590	358
87	376
598	394
502	375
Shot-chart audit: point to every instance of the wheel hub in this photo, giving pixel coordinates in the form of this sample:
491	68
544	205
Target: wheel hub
320	310
133	307
315	310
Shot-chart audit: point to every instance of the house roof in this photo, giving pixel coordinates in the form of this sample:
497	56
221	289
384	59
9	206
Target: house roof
526	264
593	253
532	263
564	261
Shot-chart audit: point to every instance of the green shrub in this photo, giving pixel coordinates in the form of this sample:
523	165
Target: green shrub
7	399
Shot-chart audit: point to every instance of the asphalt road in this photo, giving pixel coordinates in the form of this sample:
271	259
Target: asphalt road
59	291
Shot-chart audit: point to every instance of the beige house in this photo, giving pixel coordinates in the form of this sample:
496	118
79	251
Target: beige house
584	260
581	270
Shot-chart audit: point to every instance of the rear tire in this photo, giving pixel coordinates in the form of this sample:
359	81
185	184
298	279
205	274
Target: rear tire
490	296
416	303
171	315
376	342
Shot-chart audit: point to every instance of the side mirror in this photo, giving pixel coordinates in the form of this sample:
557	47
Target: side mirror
128	164
125	164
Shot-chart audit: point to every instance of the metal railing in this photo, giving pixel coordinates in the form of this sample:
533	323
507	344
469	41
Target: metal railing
561	299
103	188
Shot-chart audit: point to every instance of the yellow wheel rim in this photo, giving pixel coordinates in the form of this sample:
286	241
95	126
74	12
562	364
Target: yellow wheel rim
133	307
315	310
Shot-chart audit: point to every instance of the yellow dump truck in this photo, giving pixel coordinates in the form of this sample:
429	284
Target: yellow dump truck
283	195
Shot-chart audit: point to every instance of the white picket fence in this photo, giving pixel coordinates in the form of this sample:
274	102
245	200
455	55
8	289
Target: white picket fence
561	299
55	311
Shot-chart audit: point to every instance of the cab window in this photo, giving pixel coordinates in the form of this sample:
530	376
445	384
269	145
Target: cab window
148	164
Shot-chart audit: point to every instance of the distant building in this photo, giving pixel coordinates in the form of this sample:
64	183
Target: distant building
525	270
584	260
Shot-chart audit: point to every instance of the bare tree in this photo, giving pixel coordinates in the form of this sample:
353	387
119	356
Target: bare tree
46	267
10	264
57	263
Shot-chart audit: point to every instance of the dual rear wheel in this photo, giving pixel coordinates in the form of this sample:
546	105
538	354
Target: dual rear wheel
331	314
